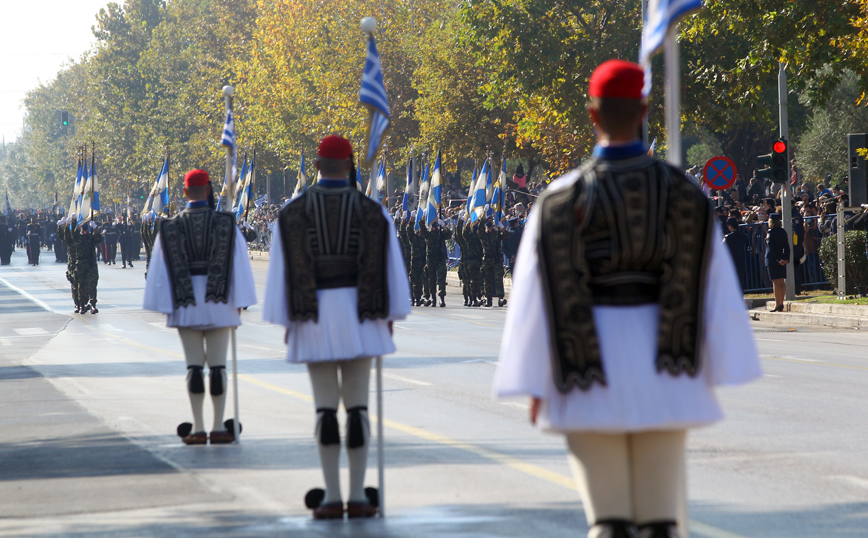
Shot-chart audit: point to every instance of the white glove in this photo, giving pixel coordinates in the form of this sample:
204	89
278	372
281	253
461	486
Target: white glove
487	207
406	215
93	225
461	214
413	214
500	225
441	223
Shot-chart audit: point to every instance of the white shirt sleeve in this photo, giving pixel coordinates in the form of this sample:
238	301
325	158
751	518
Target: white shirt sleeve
158	288
524	367
274	308
243	286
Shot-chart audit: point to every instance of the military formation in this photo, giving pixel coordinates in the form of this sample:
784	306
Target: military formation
81	269
479	257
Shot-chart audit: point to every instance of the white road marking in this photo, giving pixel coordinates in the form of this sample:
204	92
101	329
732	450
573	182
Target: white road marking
479	360
711	532
796	359
39	302
105	328
770	375
514	404
31	331
406	379
159	325
5	342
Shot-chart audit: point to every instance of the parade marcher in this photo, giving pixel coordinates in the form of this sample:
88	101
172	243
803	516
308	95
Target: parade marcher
111	242
418	253
86	239
61	252
34	241
66	231
7	240
462	260
625	241
336	281
777	257
200	277
472	252
404	238
125	238
436	257
492	262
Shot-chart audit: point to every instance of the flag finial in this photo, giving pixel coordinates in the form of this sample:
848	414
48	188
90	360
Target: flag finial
369	25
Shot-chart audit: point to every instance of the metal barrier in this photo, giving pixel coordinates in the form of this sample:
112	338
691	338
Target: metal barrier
808	273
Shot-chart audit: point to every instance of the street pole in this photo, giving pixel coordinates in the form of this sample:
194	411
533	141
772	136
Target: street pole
672	98
787	192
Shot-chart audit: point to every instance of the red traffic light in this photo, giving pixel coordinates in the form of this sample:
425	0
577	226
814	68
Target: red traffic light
780	146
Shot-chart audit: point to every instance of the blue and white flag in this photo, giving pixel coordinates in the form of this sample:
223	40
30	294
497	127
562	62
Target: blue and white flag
160	192
470	190
229	140
89	206
660	17
422	207
499	190
435	193
81	184
236	186
245	189
8	210
359	179
478	198
259	201
372	96
301	184
380	185
73	204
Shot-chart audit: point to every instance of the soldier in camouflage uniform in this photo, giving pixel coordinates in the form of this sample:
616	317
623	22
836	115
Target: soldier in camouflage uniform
67	233
492	262
472	254
462	260
86	272
417	260
404	239
435	241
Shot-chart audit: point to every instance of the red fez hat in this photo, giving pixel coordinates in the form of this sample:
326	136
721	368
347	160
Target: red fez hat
196	178
617	79
335	147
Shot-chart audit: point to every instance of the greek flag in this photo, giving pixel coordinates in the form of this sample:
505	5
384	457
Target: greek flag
246	191
470	190
236	188
477	201
89	206
499	190
160	192
73	204
435	193
259	201
81	185
421	209
229	140
372	96
381	182
660	17
408	190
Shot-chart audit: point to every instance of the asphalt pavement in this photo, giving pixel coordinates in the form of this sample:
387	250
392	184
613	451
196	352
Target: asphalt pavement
89	405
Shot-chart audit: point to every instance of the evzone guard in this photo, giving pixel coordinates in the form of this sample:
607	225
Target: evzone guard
337	281
200	277
622	267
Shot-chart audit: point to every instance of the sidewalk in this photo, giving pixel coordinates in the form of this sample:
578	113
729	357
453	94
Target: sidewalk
840	316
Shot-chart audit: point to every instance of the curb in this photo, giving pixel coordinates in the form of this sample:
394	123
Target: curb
821	320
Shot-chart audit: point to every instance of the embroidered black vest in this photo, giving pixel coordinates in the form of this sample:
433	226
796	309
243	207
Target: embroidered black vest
199	241
627	232
333	238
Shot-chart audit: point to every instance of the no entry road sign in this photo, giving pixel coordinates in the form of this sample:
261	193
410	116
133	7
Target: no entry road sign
719	173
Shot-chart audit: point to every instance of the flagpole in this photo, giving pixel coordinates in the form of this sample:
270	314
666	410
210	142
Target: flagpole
228	92
92	161
672	100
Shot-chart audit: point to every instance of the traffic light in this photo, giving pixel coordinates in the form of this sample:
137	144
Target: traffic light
64	118
776	161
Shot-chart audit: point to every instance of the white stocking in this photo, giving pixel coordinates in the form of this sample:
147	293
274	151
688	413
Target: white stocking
216	341
194	353
326	395
355	375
